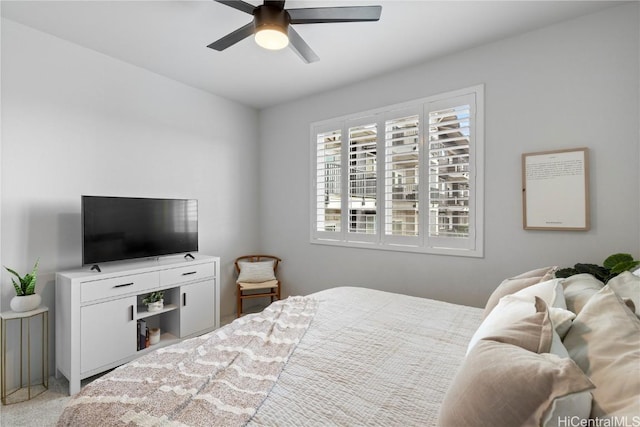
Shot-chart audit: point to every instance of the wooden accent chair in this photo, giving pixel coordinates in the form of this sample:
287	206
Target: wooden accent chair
257	278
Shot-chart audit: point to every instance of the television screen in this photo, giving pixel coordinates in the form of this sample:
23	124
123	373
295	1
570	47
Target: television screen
121	228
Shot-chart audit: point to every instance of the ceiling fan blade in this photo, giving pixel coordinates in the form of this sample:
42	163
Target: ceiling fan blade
233	38
317	15
239	4
275	3
300	47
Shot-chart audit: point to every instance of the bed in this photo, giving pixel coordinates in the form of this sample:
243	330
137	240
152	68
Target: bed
355	356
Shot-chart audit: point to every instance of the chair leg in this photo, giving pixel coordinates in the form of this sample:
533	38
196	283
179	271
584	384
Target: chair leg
239	312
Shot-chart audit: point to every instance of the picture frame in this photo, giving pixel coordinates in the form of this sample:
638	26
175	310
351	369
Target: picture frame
555	190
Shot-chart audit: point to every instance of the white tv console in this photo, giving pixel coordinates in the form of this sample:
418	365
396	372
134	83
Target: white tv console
97	312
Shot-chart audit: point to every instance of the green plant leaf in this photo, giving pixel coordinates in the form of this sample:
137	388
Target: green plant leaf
30	282
16	285
566	272
34	271
597	271
625	266
14	273
616	259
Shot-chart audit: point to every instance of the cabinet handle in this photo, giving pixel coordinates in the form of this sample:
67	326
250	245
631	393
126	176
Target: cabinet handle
123	285
188	273
132	314
184	299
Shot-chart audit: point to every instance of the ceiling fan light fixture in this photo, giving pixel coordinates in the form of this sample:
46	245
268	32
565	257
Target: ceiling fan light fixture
271	26
272	38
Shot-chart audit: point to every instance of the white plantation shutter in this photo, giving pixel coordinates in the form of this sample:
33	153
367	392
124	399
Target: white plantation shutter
451	172
406	177
402	177
363	182
328	179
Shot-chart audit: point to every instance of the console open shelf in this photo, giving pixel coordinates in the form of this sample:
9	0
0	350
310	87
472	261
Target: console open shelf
143	313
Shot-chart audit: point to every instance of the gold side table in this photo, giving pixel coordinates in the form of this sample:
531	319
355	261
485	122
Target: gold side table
32	390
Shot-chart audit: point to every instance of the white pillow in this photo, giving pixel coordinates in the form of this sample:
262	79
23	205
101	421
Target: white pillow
562	320
255	272
578	289
550	292
512	308
627	286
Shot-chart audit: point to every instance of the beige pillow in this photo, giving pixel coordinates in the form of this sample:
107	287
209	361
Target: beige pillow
627	286
533	332
514	284
256	272
604	341
578	289
536	333
503	385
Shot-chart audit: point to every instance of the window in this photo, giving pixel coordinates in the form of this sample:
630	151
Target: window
383	156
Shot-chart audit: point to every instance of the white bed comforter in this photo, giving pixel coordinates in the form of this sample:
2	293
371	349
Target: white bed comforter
371	358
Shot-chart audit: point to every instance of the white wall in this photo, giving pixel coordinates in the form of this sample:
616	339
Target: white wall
569	85
78	122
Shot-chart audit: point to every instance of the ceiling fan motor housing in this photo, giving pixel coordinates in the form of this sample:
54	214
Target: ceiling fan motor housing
266	17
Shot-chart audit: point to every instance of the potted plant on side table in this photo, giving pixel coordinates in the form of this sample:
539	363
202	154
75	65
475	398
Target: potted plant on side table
154	301
26	298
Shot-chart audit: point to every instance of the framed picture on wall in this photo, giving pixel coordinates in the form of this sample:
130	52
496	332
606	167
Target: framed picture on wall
555	190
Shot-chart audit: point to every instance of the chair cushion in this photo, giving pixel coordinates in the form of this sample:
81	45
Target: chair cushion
256	272
262	285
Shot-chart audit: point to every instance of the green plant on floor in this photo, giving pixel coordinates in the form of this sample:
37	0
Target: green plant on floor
610	268
26	285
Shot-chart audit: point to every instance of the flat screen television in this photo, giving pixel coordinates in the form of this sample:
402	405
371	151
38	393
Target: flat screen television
124	228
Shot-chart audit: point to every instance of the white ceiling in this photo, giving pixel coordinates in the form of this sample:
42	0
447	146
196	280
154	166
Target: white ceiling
170	38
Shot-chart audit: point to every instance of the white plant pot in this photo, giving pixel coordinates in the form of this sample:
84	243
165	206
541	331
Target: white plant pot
154	336
155	306
24	303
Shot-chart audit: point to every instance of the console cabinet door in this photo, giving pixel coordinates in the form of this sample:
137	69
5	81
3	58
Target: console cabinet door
197	311
108	333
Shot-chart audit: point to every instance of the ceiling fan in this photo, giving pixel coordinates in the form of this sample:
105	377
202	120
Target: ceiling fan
272	29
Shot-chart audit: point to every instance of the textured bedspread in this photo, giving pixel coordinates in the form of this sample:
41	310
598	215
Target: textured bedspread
367	358
371	358
216	379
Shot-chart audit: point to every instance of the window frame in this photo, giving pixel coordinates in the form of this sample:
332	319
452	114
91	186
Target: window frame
471	246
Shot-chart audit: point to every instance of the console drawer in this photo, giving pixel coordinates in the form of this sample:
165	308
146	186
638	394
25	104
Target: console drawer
107	288
187	273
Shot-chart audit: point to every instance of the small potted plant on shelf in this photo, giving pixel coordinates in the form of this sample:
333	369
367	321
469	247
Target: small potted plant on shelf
26	298
154	301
